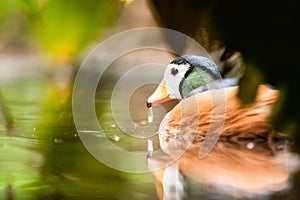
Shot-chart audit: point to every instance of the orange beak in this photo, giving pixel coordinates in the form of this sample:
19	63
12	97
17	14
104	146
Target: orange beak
160	95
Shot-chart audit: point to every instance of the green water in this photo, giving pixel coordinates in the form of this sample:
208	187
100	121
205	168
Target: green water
42	156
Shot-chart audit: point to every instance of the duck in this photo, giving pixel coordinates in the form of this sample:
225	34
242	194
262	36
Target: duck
209	107
210	127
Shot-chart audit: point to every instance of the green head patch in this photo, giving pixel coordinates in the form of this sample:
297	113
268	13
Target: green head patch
195	77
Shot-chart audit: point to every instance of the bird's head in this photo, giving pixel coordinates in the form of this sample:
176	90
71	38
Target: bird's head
183	75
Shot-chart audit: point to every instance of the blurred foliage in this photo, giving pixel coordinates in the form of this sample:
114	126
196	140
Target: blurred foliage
64	28
6	9
44	158
13	27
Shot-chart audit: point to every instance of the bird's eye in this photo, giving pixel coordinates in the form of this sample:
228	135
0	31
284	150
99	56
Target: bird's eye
174	71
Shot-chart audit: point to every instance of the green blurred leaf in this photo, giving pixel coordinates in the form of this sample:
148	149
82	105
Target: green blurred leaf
29	7
8	9
66	27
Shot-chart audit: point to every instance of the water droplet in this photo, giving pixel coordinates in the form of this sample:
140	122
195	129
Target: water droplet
58	140
116	138
150	115
250	145
150	146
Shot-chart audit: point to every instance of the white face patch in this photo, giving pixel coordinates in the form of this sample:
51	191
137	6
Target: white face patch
173	76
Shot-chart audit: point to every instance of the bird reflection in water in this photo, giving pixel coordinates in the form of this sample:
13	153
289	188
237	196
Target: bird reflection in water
237	166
